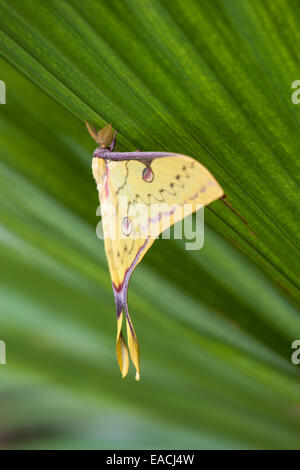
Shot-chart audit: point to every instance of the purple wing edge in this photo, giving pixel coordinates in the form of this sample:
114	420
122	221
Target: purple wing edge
119	156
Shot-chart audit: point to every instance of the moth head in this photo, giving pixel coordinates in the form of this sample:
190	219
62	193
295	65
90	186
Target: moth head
102	137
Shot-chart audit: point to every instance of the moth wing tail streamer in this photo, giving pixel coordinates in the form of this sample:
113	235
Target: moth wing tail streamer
133	345
142	246
121	348
120	292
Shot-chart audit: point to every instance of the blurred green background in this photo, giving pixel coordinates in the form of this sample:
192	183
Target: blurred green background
211	79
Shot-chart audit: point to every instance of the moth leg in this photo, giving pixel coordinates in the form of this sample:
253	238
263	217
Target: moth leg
113	142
